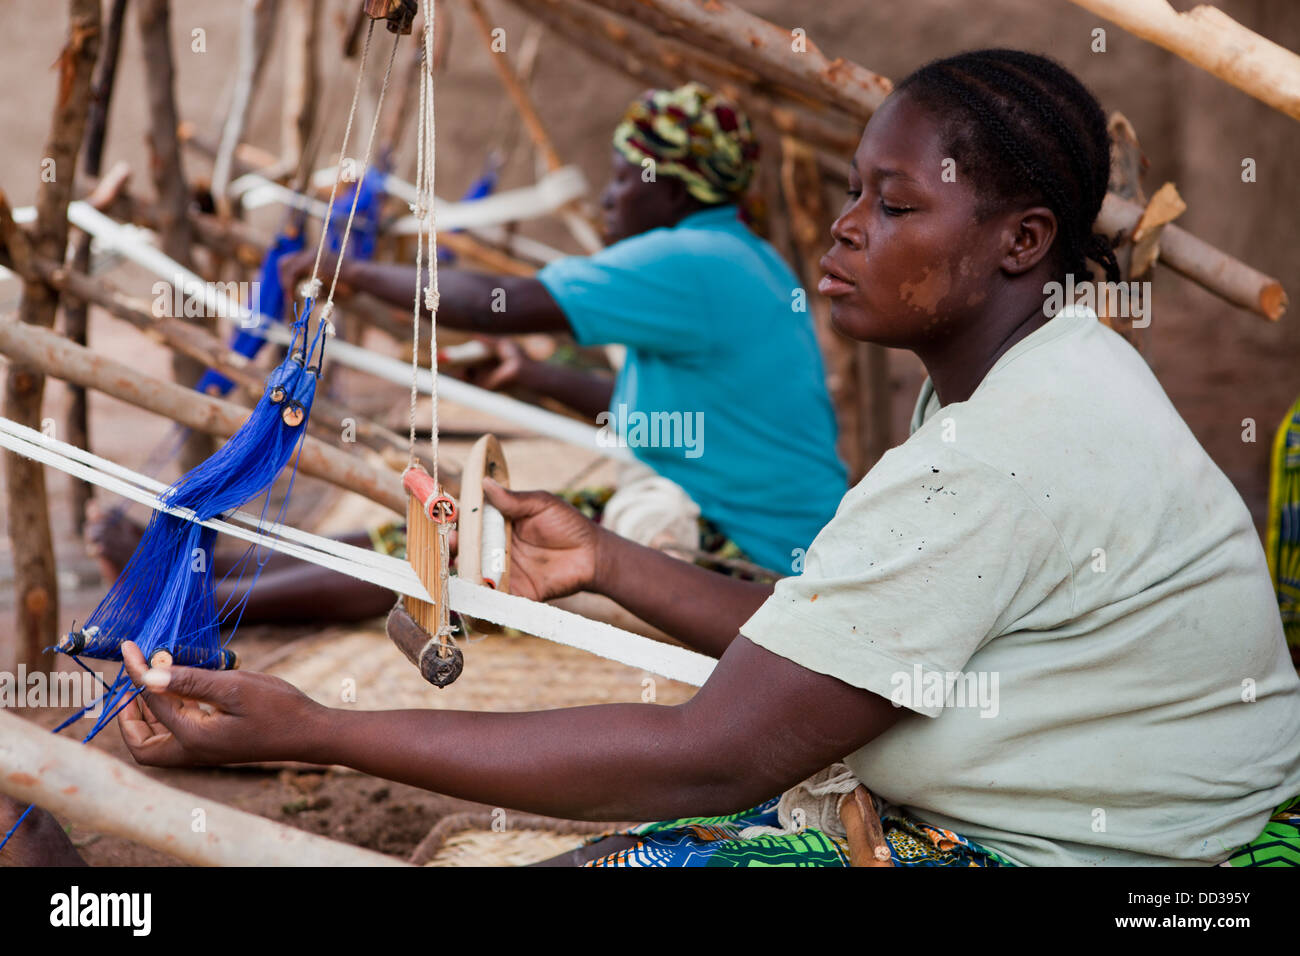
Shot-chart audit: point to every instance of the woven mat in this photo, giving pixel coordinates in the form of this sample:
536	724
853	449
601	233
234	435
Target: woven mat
361	669
479	838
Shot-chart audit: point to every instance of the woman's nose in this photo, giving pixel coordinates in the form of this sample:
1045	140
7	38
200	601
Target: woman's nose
848	230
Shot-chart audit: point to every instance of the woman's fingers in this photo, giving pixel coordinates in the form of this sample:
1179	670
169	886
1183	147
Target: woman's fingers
192	683
516	504
137	729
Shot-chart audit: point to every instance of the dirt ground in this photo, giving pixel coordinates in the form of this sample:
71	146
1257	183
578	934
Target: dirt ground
1220	366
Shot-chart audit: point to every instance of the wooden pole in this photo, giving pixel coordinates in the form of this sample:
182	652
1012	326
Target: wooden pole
1207	37
810	222
579	226
75	314
301	85
101	90
254	41
1199	261
52	354
86	786
35	584
862	828
775	53
628	47
154	21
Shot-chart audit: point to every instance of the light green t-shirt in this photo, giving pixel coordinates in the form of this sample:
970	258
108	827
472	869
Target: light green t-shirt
1071	598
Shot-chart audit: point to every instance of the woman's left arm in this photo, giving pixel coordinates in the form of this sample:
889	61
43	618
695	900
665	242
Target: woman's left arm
759	725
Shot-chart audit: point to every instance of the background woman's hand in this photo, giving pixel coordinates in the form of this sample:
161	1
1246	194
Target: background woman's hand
553	549
506	365
296	267
188	716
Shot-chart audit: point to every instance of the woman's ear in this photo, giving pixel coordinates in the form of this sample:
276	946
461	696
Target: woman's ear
1032	233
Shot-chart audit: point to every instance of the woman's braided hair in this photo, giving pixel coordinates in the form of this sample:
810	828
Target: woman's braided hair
1024	129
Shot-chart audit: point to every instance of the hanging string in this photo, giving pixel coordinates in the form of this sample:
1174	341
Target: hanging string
314	284
425	211
328	308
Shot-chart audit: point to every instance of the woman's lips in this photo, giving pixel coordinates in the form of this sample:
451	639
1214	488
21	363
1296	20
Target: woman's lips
832	283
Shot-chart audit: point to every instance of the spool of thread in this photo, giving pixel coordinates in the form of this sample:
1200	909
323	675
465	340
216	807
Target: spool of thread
492	553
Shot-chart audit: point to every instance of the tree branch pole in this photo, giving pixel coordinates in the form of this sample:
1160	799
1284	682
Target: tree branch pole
302	85
1127	165
52	354
767	49
257	27
88	787
35	584
1207	37
630	48
1196	259
810	226
578	224
154	21
75	315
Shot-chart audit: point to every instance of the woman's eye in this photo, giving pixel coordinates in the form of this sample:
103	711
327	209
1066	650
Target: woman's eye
894	210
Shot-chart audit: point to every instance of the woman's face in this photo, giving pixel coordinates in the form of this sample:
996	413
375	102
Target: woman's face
910	263
631	205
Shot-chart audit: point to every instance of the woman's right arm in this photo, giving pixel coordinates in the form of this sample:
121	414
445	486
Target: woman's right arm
555	551
469	301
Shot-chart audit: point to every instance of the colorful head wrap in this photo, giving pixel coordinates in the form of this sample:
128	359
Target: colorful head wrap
693	134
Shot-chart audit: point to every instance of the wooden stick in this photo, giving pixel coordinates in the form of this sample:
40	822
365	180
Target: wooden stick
35	585
75	326
101	90
258	24
301	84
628	47
1199	261
76	428
52	354
88	787
867	844
769	50
154	20
1127	165
1207	37
810	222
579	226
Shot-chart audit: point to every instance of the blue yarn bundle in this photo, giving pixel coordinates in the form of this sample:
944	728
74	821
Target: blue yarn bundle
164	597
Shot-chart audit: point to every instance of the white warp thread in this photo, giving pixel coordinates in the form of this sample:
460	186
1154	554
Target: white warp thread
541	620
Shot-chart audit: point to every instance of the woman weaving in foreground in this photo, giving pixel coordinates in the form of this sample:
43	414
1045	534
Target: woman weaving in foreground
1051	521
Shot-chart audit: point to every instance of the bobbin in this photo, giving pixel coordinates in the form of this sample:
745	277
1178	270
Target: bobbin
421	629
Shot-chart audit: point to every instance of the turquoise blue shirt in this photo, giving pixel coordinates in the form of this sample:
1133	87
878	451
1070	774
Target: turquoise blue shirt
723	390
